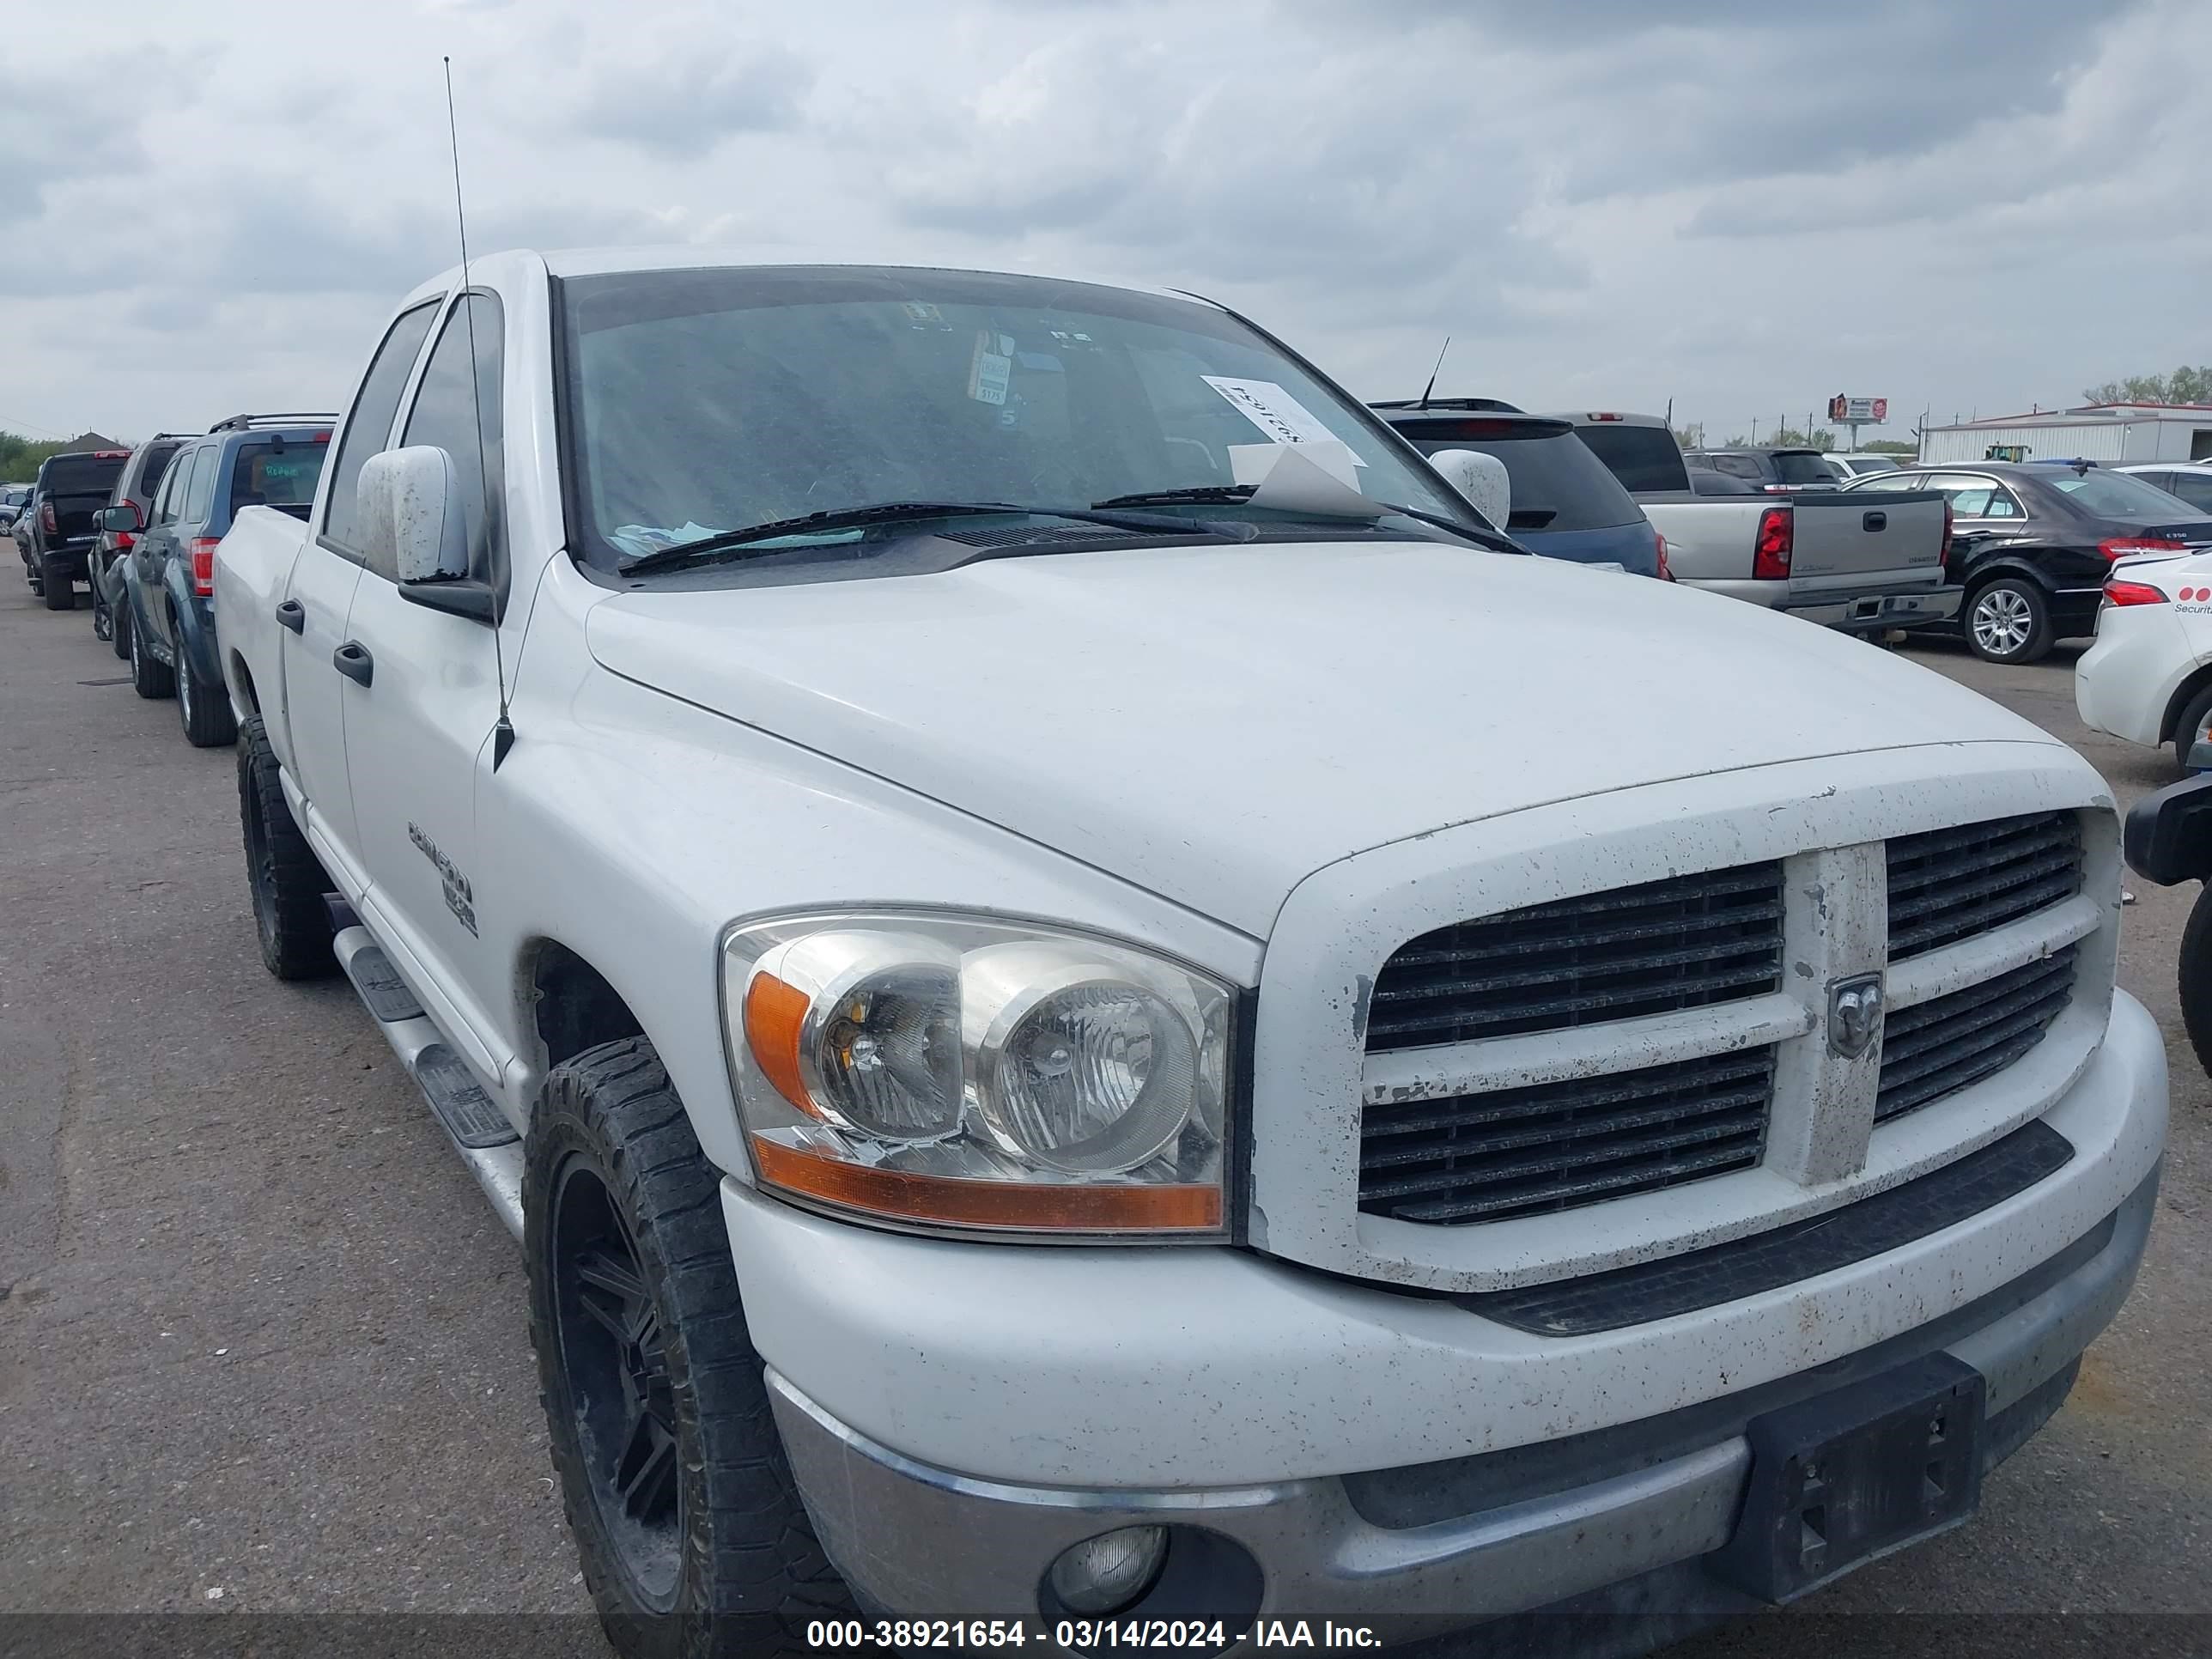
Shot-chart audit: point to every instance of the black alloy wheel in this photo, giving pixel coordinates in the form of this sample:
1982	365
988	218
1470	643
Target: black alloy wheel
615	1354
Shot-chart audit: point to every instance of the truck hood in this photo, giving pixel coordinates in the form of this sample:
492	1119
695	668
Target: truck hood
1216	724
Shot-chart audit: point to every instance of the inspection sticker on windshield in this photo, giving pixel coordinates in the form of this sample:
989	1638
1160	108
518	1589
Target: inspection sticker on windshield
989	371
1273	411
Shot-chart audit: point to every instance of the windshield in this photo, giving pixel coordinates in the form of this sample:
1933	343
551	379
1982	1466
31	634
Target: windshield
2117	495
702	402
1868	464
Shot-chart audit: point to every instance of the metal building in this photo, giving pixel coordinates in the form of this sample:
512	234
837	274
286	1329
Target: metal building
2111	434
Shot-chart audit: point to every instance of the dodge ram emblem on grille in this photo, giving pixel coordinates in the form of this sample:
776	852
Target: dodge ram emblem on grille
1854	1014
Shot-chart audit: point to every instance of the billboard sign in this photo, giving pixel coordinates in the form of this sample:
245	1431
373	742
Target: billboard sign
1861	411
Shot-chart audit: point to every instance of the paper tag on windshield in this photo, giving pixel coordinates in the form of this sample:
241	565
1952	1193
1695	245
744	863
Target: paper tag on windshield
1313	478
989	371
1275	412
1250	464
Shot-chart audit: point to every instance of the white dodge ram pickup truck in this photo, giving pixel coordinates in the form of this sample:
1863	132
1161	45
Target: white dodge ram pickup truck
1085	1022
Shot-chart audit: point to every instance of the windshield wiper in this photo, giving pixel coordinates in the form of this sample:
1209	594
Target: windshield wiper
1172	497
1237	493
737	542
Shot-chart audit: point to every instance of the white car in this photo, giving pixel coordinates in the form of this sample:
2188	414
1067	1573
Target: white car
2192	481
2148	679
1102	1013
1860	464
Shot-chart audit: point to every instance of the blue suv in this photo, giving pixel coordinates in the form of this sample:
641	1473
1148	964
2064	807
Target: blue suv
163	590
1566	505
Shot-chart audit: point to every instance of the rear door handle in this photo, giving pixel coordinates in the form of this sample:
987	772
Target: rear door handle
293	615
352	660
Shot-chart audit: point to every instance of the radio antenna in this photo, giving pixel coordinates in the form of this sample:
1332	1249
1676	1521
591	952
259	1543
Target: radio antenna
502	733
1433	373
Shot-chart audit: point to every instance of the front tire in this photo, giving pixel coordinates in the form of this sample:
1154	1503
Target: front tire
2194	978
2194	720
2007	619
56	585
694	1542
150	679
287	879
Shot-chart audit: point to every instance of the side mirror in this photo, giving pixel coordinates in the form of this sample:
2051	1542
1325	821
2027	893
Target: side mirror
412	519
121	519
1481	478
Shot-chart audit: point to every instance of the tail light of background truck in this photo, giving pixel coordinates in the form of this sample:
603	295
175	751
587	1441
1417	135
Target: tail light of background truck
1943	554
48	522
1770	550
203	548
1665	573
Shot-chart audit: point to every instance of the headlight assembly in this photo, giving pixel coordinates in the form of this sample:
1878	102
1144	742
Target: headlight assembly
979	1074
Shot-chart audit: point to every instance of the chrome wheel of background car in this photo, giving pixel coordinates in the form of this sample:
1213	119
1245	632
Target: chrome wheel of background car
2002	621
613	1347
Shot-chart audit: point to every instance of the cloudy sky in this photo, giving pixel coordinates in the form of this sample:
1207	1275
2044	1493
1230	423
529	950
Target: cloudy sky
1741	205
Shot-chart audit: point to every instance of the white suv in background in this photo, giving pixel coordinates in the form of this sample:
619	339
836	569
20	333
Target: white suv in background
2191	480
1860	464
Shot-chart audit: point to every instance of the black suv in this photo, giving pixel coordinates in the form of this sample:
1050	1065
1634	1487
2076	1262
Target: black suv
1775	471
164	592
57	530
134	488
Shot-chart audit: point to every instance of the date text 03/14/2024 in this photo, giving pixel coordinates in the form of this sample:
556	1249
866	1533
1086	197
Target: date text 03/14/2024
1083	1635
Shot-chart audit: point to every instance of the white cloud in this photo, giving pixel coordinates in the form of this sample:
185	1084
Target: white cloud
1743	206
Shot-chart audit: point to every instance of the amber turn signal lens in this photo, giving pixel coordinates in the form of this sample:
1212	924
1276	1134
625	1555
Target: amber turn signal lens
1029	1205
775	1015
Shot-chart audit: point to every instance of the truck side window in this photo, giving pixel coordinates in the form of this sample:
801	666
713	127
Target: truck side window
368	426
449	404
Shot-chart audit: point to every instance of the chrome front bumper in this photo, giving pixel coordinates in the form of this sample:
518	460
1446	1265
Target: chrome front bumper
1617	1516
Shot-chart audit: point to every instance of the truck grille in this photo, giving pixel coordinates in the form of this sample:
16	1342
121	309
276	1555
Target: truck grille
1950	884
1939	1047
1557	1145
1681	942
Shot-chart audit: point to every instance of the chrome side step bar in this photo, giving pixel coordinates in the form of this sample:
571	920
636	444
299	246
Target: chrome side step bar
480	1133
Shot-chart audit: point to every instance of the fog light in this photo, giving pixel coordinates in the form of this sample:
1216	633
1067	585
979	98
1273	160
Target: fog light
1107	1573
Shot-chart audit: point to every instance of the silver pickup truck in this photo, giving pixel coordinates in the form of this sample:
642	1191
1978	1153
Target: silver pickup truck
1816	554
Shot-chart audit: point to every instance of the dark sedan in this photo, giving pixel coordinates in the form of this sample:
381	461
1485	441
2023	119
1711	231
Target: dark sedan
2032	542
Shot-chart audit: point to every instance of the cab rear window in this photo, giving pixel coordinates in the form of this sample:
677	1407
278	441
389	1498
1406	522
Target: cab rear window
1641	456
83	475
1803	469
267	475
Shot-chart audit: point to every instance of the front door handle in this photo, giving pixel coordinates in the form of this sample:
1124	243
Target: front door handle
352	660
293	615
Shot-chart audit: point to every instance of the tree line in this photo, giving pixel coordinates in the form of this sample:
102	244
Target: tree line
2185	386
20	456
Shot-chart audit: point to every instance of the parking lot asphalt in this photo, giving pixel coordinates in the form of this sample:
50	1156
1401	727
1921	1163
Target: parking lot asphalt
262	1344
